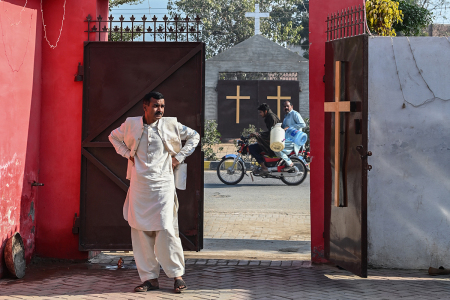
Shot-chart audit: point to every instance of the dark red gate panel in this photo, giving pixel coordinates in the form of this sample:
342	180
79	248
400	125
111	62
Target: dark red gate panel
346	213
116	76
252	94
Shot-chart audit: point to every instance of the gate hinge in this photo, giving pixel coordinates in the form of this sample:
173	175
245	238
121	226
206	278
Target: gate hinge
76	224
80	74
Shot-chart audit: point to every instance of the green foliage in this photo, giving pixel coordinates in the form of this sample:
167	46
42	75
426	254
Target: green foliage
115	3
224	23
382	15
415	18
126	36
211	138
303	20
251	129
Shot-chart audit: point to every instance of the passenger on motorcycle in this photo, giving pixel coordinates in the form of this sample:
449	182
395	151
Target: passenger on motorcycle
292	119
263	138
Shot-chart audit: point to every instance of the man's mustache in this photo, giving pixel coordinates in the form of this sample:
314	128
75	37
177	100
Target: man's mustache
158	113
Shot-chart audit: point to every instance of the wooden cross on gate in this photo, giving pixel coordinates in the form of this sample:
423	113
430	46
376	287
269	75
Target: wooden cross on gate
278	97
336	107
257	15
238	97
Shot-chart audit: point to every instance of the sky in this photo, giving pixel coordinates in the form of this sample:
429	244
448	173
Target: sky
157	8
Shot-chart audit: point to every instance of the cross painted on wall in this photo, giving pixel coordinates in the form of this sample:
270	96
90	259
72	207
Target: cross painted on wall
238	97
257	15
278	97
337	107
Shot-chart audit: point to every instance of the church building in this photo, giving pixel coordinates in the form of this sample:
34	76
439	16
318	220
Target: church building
264	72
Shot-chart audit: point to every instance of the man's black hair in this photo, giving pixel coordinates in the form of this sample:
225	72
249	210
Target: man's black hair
263	107
155	95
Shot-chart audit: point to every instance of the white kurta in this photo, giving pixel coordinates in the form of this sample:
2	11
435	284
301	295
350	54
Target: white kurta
150	200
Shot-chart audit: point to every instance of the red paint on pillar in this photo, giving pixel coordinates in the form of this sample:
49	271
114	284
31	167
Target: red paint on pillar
318	11
20	96
60	147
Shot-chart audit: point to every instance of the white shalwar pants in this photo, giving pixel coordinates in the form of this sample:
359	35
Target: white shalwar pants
152	248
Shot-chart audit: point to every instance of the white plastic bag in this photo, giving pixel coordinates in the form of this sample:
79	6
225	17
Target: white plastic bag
180	174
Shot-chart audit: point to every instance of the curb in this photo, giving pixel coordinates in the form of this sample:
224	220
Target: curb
212	165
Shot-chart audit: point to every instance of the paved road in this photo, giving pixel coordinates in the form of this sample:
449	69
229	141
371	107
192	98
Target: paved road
262	195
264	219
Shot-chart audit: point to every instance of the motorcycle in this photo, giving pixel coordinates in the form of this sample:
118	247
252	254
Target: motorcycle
232	168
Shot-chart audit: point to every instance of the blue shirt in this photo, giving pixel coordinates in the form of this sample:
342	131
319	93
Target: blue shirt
293	119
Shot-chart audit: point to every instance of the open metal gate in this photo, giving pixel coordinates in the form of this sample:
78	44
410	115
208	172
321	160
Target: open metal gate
346	79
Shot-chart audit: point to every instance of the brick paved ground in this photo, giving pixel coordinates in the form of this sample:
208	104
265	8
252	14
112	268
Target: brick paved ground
225	279
258	226
270	235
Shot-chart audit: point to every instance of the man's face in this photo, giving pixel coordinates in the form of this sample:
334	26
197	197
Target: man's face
262	113
155	110
287	106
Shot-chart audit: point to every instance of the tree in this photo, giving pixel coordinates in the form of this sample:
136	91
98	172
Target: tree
415	18
125	37
431	5
303	9
382	15
224	23
115	3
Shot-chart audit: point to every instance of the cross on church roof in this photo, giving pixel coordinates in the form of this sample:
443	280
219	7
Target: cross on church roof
257	15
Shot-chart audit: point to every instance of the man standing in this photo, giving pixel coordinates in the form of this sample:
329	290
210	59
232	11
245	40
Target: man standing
292	119
152	145
263	138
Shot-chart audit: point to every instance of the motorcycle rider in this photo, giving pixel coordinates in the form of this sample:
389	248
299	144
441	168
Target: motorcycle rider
263	138
292	119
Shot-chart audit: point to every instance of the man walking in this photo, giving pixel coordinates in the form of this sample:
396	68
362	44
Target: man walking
152	145
292	119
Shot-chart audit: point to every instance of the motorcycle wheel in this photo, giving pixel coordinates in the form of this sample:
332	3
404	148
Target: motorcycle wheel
296	180
228	175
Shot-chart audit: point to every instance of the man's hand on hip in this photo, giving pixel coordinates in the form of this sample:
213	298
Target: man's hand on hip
175	163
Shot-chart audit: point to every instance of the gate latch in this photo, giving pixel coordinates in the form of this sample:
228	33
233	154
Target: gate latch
76	224
361	152
80	73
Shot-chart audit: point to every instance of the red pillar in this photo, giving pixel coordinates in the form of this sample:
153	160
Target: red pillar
20	96
60	146
318	11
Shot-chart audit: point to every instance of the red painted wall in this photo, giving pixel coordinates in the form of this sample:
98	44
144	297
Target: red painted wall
318	11
20	97
60	147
